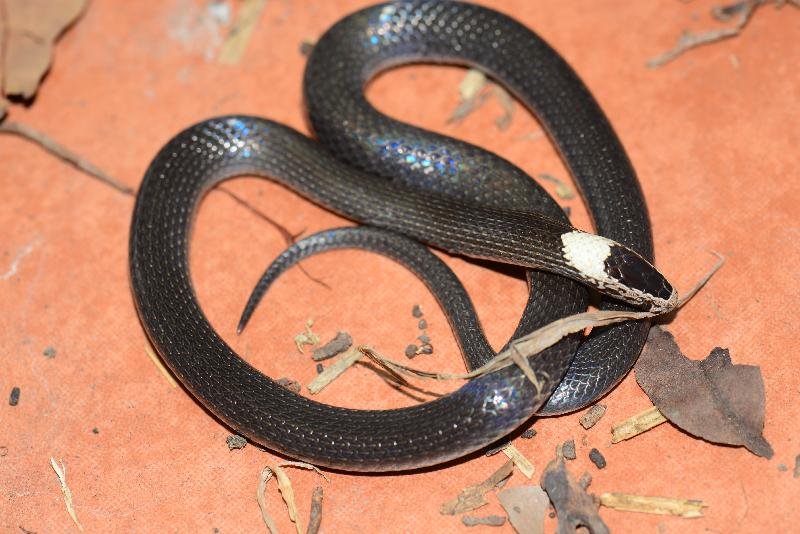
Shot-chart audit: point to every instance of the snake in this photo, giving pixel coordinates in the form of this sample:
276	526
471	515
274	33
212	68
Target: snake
407	186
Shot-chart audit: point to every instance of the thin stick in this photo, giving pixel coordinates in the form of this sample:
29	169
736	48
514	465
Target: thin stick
64	154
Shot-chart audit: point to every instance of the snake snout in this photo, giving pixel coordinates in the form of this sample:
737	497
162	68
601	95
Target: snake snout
618	271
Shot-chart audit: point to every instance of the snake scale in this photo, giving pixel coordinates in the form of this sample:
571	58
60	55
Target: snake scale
402	181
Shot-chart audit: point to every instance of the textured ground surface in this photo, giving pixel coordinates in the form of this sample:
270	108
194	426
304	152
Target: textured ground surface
711	136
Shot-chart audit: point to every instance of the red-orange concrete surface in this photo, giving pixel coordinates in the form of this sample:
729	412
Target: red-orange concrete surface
714	137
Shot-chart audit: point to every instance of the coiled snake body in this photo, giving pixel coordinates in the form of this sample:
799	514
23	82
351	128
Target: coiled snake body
445	193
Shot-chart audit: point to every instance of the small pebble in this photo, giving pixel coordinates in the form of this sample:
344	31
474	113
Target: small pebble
422	324
95	430
782	468
320	368
528	434
49	352
416	311
797	466
288	383
235	442
426	349
306	47
597	458
13	399
3	451
411	351
424	339
568	449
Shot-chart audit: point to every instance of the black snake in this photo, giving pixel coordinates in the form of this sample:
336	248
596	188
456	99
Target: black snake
445	193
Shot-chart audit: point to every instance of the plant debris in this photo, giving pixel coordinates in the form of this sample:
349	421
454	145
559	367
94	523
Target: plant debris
241	31
315	516
64	154
473	497
525	507
568	449
563	191
61	473
688	40
712	398
597	458
653	505
523	464
573	505
286	490
342	363
474	91
307	337
13	399
160	365
636	424
336	346
489	520
590	418
235	441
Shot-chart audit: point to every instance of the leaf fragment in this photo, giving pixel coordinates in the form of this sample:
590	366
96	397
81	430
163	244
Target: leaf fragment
473	497
711	399
30	28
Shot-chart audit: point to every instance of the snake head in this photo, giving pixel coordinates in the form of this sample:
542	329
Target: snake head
618	271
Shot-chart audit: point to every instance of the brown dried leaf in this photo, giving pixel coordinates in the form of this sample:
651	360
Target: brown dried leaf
525	507
711	398
30	28
573	505
472	497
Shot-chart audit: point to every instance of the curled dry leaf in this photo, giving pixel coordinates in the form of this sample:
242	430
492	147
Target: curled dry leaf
711	399
573	505
29	29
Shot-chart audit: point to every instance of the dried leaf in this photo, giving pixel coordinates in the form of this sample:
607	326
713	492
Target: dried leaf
472	497
286	490
525	507
31	27
573	505
711	399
